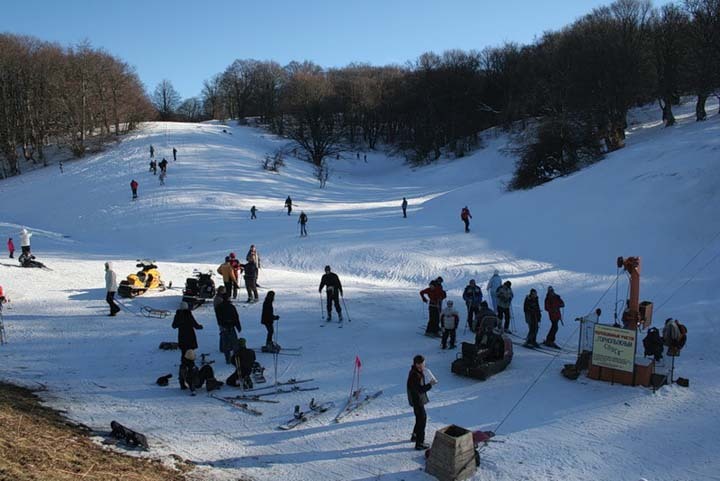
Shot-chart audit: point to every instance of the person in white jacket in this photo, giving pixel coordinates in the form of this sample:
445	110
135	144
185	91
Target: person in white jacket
25	240
111	288
449	321
492	285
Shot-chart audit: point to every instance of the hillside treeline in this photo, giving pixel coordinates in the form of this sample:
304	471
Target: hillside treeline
571	89
69	97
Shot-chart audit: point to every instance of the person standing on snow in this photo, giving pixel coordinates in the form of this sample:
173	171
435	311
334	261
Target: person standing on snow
163	165
417	390
25	241
228	274
253	255
229	325
152	151
333	290
504	299
174	154
404	207
267	319
553	304
153	167
134	188
11	247
237	267
449	321
111	287
492	286
302	220
253	210
186	324
288	204
250	277
472	295
466	216
531	307
162	177
435	294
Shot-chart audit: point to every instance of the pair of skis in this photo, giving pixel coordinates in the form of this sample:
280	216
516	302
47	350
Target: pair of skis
242	406
355	402
301	417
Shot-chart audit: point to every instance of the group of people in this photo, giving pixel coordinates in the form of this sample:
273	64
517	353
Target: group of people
444	322
302	219
231	269
153	168
26	254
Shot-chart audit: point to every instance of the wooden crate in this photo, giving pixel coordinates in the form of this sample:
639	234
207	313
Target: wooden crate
452	456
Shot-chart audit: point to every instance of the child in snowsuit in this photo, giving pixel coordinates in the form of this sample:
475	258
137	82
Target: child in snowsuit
11	247
449	321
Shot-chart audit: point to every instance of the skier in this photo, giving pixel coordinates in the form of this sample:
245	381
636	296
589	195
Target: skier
435	294
237	267
333	290
553	304
11	247
152	151
417	390
228	274
174	154
163	165
449	321
472	295
244	359
288	204
60	164
251	273
229	324
466	216
253	210
404	207
492	286
267	319
192	377
531	307
25	241
134	188
504	300
111	288
253	255
302	220
153	167
186	324
162	177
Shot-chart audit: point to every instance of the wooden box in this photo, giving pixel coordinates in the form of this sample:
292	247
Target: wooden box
452	456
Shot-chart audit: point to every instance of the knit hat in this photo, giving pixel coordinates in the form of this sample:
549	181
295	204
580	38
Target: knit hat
190	355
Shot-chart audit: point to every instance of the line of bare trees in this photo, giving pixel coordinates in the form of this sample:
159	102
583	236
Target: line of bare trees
73	97
572	87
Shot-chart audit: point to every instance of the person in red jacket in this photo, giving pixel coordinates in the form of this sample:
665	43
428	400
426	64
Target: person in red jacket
435	294
553	304
466	216
11	247
134	187
237	267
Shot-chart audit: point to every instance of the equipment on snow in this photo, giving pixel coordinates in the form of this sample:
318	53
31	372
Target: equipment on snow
301	417
289	382
198	288
163	380
131	438
244	407
250	398
148	277
148	311
355	402
28	260
482	361
168	346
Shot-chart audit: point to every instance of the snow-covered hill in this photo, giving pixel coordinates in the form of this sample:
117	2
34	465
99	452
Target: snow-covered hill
658	198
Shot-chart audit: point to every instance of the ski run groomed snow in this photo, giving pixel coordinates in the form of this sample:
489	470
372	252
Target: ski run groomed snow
658	198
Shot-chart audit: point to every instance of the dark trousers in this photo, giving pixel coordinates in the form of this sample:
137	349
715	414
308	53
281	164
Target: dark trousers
420	422
233	290
504	312
533	326
550	339
467	225
110	299
252	215
404	211
433	325
251	288
446	333
229	287
134	191
303	230
333	296
473	311
289	208
25	250
270	332
11	254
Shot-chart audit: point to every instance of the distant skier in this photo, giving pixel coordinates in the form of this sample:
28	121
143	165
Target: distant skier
11	247
162	177
60	164
174	154
253	255
152	151
267	320
244	359
228	274
25	241
333	290
134	188
288	204
472	295
153	167
504	300
251	272
449	321
404	207
417	390
492	285
435	294
253	212
229	325
163	165
302	220
553	304
186	324
111	287
237	267
466	216
531	307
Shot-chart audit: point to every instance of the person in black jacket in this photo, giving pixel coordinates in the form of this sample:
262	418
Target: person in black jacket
267	319
334	290
229	323
531	306
244	359
417	397
186	324
251	272
193	378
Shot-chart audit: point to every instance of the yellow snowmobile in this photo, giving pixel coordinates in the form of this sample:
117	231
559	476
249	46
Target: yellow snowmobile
148	277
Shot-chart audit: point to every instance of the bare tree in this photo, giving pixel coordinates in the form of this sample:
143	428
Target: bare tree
165	99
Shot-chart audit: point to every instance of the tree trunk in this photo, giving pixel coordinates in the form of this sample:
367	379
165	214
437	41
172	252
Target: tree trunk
668	115
700	113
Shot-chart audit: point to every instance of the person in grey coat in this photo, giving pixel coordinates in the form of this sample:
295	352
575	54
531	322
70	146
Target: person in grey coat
492	286
111	287
504	301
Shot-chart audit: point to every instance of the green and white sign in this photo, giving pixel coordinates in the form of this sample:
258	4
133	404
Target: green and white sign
614	347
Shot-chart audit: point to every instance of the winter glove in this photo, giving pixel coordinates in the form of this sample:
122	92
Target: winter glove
277	318
200	326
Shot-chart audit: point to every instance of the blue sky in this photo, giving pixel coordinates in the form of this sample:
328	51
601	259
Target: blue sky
189	41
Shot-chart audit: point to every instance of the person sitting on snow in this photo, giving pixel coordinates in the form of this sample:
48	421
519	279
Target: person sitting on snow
244	359
193	378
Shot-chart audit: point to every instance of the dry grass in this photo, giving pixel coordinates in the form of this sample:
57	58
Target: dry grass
38	444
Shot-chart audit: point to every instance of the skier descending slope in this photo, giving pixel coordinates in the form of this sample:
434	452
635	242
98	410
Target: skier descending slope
333	289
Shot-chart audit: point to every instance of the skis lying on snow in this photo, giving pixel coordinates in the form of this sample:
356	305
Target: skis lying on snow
301	417
282	348
249	398
542	346
131	438
289	382
355	402
545	350
244	407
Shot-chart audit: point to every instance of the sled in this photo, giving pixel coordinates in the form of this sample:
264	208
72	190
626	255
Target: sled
482	362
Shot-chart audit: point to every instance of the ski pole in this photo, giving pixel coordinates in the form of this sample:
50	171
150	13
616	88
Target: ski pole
322	312
346	309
